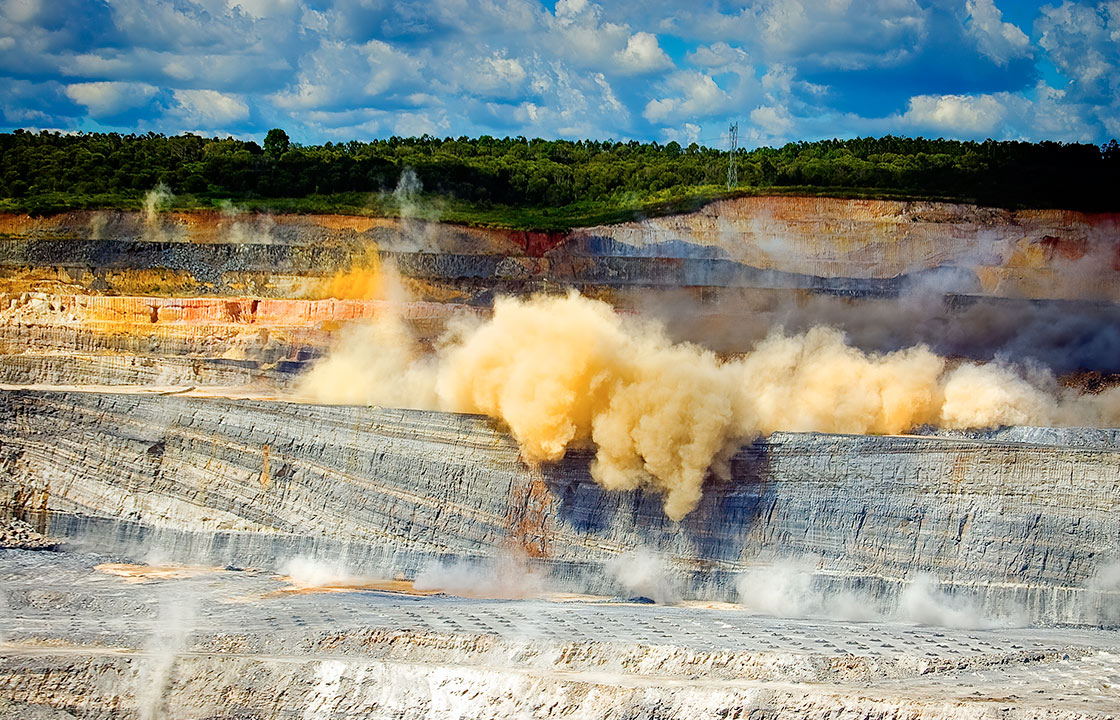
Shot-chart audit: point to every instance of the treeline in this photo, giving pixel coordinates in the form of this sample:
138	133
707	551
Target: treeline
45	171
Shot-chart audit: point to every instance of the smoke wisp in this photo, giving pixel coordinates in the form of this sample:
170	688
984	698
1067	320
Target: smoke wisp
789	588
155	202
785	589
170	637
1104	595
563	372
646	574
508	577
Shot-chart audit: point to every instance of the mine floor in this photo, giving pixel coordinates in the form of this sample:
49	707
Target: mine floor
57	606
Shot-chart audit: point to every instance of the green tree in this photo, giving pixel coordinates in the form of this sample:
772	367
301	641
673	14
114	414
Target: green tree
276	143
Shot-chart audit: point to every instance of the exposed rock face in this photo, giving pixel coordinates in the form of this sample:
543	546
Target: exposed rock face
84	339
1021	523
721	276
1027	253
816	244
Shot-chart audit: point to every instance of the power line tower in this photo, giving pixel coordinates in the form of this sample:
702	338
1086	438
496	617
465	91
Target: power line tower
732	168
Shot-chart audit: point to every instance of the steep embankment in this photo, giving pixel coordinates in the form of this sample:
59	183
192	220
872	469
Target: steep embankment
1022	521
817	244
975	282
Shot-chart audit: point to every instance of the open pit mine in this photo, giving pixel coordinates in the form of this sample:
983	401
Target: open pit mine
778	457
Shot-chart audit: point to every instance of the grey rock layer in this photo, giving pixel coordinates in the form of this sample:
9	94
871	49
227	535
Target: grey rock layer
1019	523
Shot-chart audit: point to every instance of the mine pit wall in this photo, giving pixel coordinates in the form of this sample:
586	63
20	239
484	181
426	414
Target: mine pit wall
815	244
1018	522
720	277
263	343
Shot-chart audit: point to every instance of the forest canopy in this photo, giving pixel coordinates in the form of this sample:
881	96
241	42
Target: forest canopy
522	182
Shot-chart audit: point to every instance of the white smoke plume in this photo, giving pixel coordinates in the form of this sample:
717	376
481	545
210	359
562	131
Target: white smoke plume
785	589
156	201
176	620
243	228
1104	595
924	602
305	571
567	372
507	577
645	573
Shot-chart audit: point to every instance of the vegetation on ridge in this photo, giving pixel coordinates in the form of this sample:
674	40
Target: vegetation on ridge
533	183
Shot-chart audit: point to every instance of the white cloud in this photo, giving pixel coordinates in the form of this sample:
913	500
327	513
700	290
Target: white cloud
169	25
21	11
1000	41
577	34
771	120
642	55
1084	43
209	108
264	8
719	55
104	99
568	9
338	73
494	75
956	115
694	95
840	34
610	100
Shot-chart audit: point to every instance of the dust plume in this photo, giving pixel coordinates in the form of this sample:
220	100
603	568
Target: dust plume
793	588
304	572
1103	597
508	577
647	574
785	589
925	603
244	228
155	201
563	372
171	631
364	280
945	308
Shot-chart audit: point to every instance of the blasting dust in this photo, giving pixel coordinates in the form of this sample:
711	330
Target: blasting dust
364	280
565	372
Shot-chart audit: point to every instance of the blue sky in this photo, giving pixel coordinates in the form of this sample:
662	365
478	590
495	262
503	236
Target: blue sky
652	70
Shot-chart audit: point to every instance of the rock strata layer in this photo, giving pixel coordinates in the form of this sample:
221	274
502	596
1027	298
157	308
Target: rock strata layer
1020	523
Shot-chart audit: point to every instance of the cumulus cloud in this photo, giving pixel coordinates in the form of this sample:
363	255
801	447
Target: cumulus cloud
719	55
1000	41
104	99
338	73
691	94
955	115
837	33
1084	43
264	8
772	120
209	108
642	55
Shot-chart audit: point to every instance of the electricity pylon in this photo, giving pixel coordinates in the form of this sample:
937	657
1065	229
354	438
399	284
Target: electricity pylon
732	169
